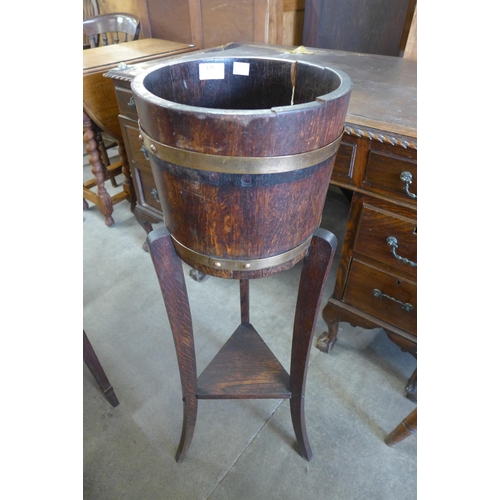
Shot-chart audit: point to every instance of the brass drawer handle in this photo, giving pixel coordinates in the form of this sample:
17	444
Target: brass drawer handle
131	102
406	306
393	243
154	192
145	152
407	178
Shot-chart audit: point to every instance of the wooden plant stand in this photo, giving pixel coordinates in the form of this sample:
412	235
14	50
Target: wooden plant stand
245	367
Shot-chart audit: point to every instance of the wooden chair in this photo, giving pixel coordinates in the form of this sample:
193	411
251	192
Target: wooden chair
121	26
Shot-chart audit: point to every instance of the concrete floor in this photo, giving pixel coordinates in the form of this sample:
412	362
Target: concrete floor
242	449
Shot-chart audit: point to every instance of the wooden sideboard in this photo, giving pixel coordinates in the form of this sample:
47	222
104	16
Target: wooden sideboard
376	166
376	283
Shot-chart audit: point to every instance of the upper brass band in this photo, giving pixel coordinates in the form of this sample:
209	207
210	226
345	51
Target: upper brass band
238	164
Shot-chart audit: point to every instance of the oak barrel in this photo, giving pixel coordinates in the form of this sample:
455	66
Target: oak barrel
242	148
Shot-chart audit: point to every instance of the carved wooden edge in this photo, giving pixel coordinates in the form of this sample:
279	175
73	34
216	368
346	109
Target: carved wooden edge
377	136
119	77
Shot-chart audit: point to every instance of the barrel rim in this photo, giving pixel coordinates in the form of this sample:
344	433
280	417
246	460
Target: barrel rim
139	88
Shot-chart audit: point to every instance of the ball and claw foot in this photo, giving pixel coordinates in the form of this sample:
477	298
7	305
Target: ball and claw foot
325	342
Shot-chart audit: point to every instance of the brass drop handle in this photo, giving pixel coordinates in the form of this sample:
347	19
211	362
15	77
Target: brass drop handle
393	243
145	152
407	178
406	306
131	102
154	192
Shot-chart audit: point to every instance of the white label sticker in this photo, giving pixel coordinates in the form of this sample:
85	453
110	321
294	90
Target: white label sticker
211	71
241	68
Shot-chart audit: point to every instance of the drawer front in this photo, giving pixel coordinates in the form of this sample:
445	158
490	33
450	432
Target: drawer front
131	131
382	295
126	103
147	194
344	161
392	170
388	238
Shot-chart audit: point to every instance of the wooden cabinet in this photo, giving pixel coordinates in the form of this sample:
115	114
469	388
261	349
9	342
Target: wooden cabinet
376	283
209	23
147	209
376	166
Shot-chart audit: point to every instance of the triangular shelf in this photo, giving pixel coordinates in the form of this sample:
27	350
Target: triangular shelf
244	368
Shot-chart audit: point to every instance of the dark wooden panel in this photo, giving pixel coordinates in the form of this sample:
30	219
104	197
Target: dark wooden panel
383	170
363	279
368	26
225	22
126	103
166	19
375	226
147	193
344	161
135	145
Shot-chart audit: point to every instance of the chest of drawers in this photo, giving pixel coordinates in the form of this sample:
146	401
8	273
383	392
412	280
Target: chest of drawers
376	283
147	210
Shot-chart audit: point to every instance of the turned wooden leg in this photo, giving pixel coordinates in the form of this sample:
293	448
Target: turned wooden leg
407	427
95	367
168	267
315	270
104	156
411	387
128	186
104	202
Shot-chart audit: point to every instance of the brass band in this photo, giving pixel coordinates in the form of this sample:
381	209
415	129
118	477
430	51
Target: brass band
239	164
239	265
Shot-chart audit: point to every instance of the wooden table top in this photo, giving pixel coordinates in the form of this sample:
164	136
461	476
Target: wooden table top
99	99
100	59
384	92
